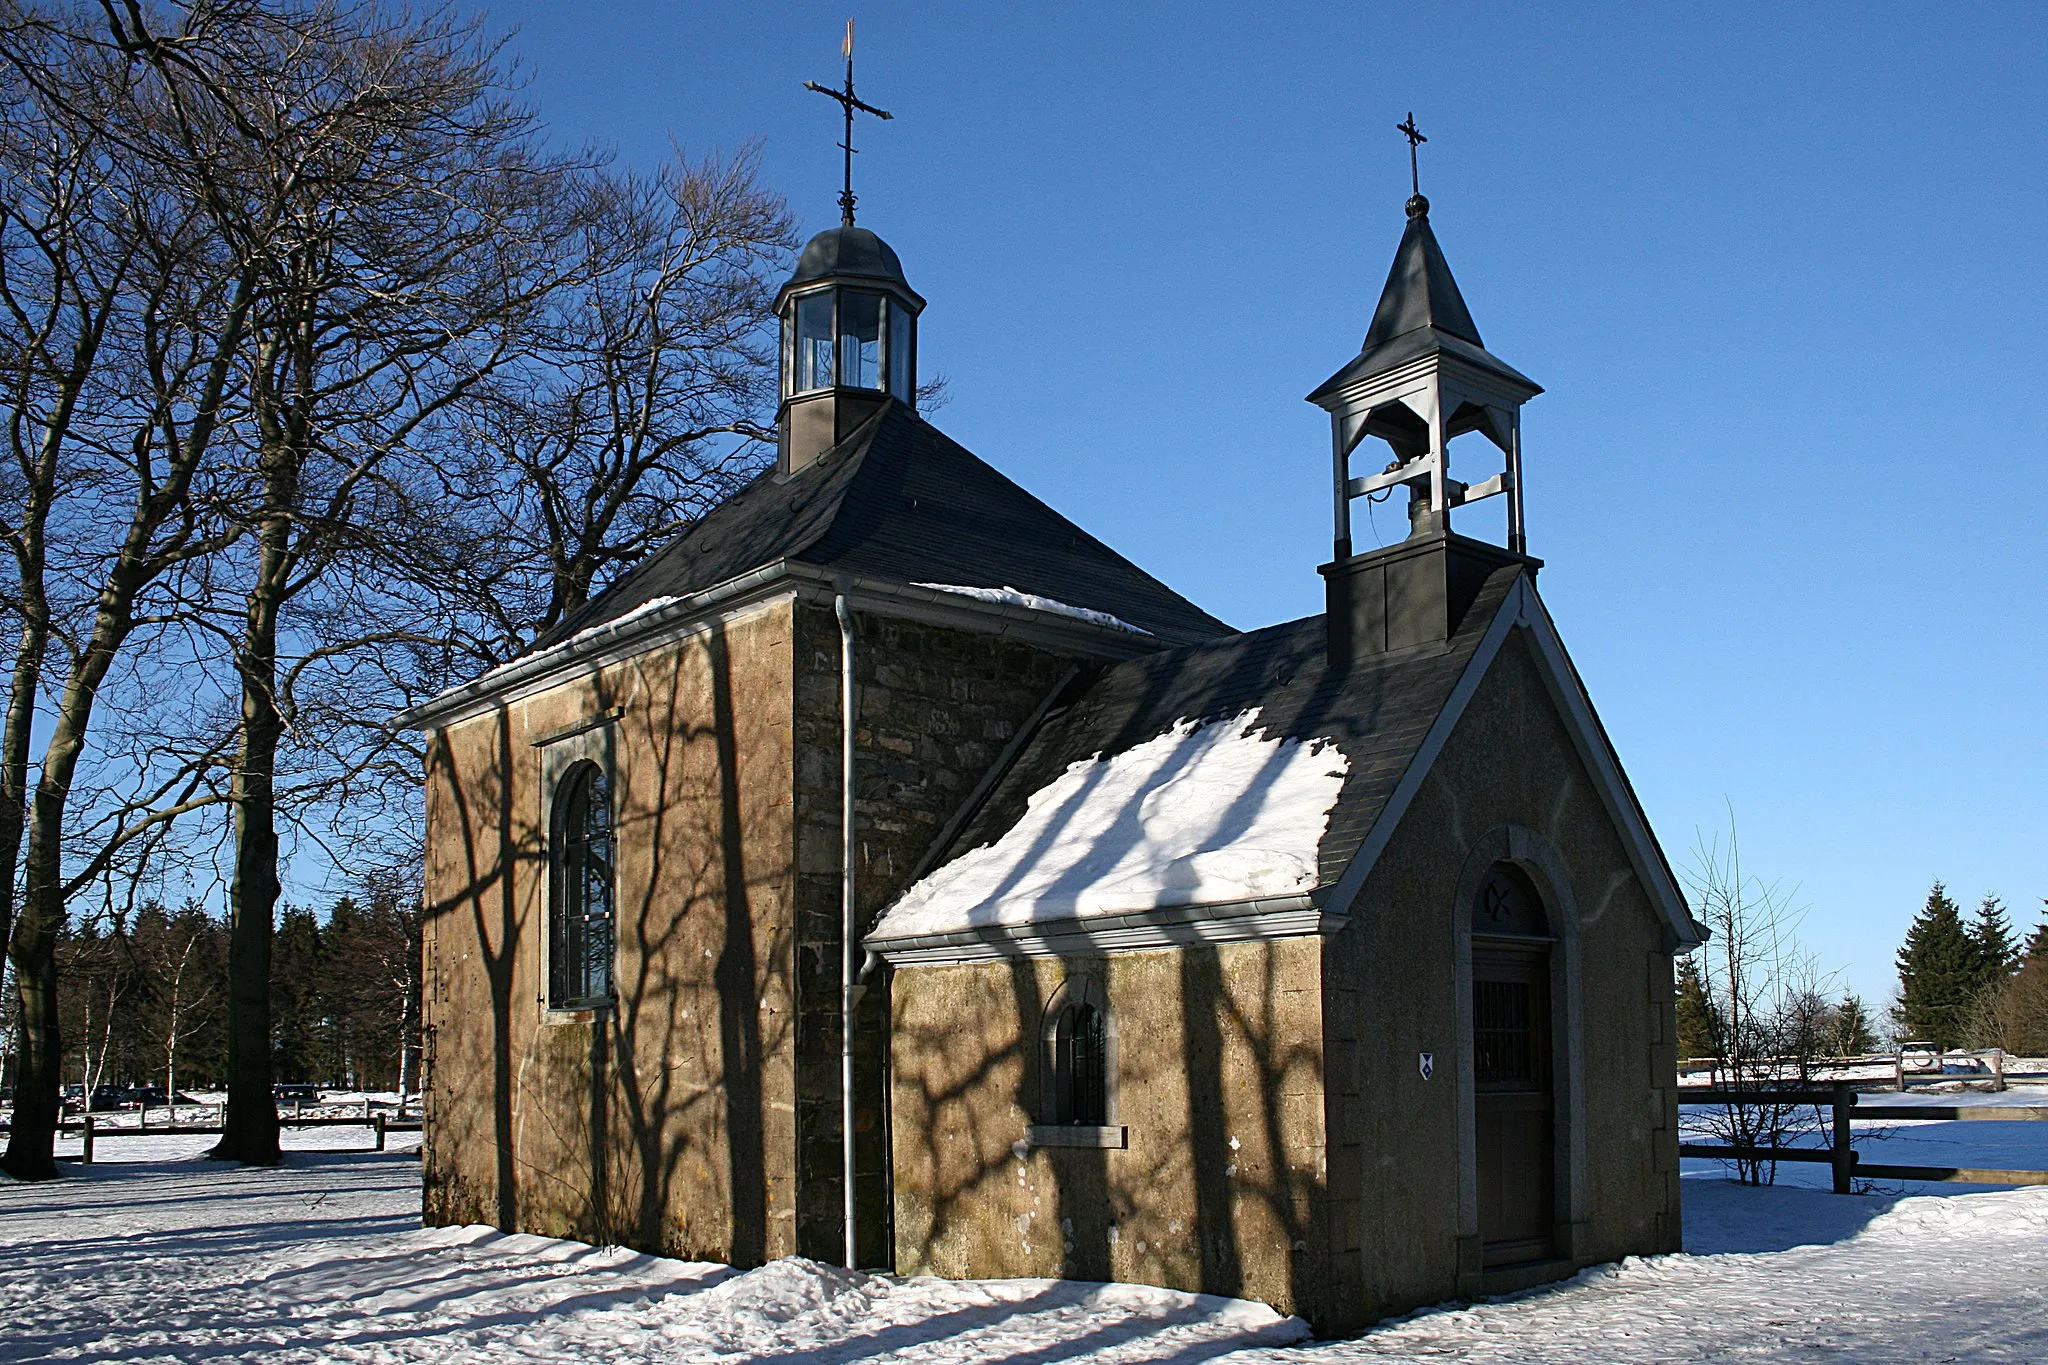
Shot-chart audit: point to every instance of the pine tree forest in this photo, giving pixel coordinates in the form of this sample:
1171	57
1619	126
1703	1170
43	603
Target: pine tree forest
144	1003
1964	982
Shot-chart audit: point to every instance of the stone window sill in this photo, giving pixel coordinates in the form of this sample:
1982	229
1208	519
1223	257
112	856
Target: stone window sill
572	1014
1079	1135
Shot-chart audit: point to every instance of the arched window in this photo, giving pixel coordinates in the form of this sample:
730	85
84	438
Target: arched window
1076	1087
1084	1048
580	912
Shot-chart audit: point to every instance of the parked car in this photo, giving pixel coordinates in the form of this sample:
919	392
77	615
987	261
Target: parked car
294	1092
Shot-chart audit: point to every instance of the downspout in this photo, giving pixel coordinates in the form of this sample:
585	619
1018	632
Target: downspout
849	989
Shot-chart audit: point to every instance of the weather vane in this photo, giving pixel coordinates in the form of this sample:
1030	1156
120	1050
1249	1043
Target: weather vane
849	103
1415	139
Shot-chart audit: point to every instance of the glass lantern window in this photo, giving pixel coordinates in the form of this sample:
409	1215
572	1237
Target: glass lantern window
860	340
901	373
814	342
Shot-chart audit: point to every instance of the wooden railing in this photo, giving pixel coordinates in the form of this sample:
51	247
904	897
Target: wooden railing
1841	1154
91	1133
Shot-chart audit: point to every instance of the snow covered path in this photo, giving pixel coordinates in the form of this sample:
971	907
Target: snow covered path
323	1259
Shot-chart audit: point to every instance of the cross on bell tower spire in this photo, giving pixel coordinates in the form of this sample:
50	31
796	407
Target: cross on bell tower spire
1417	204
849	102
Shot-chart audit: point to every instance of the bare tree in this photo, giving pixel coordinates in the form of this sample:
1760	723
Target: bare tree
2013	1013
330	389
648	404
1767	1010
413	231
116	408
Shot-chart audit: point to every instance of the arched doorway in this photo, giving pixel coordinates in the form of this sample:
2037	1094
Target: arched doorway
1513	1071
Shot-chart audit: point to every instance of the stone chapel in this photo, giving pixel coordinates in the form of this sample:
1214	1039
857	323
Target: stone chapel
889	872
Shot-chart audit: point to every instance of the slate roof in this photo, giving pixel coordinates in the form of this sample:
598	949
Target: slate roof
1420	312
1378	714
899	500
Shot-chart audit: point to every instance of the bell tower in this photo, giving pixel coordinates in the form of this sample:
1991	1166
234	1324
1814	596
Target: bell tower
1422	379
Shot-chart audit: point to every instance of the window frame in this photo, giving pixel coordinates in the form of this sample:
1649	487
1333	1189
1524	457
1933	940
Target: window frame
1057	1125
799	371
580	773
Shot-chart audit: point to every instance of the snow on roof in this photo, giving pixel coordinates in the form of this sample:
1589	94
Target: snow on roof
1204	814
1017	597
569	645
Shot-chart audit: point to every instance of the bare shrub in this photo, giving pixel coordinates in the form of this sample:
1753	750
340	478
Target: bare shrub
1767	1009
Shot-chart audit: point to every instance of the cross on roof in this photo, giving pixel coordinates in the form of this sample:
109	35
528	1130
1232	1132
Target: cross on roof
849	103
1415	139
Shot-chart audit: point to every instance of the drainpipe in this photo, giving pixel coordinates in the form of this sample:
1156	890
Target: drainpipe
849	990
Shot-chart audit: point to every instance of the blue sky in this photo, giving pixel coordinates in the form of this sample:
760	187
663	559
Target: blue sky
1780	268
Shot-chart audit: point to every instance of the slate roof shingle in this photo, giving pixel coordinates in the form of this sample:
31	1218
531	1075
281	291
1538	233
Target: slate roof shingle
899	500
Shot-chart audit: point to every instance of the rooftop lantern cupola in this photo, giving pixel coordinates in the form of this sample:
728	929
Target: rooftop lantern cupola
1422	378
849	341
849	321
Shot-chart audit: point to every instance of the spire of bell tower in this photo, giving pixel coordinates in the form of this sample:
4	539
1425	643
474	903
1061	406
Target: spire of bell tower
1422	378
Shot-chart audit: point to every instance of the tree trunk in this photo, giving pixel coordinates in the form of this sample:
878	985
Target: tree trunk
250	1125
32	1138
249	1128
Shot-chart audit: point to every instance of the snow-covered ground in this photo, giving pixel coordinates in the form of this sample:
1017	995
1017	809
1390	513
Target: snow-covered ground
163	1258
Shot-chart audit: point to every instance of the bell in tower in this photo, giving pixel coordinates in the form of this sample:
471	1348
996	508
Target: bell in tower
849	341
1422	378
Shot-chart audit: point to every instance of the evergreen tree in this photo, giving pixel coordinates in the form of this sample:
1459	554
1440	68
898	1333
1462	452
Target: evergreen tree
1696	1032
295	1004
1850	1034
1940	971
1998	956
2037	945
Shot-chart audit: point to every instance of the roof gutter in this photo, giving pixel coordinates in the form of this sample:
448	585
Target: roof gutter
1266	917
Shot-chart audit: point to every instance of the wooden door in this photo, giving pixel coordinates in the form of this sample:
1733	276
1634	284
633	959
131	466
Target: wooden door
1512	1101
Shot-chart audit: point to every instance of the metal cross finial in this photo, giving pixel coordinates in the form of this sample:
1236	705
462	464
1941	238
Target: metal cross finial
1415	139
849	103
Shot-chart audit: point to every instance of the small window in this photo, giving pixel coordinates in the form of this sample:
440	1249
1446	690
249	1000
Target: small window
814	342
1084	1049
860	340
902	372
580	921
1079	1063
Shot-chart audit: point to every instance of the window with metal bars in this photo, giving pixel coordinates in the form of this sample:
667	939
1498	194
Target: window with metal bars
1502	1032
1084	1057
580	932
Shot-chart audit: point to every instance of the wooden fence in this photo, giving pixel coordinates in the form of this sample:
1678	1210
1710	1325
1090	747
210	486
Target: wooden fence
1912	1063
379	1124
1841	1154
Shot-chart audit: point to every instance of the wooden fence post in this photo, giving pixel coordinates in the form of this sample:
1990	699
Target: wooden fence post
88	1136
1844	1151
380	1133
1899	1066
1998	1068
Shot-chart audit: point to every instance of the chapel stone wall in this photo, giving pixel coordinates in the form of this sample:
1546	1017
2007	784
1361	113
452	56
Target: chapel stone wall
936	708
1217	1072
667	1123
1395	1190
